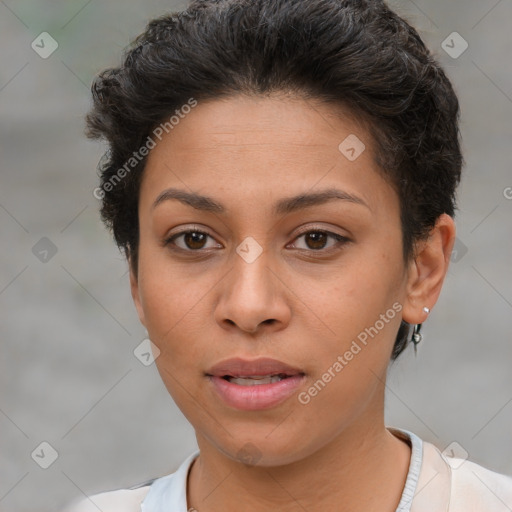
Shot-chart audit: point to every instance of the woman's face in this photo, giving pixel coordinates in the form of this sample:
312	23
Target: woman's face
315	284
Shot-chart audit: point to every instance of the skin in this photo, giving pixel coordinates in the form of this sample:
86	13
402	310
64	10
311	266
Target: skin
202	307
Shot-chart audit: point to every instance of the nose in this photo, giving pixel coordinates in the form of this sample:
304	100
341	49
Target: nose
253	297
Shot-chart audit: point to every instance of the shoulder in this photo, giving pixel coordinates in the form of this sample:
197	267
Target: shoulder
475	487
127	500
170	489
461	485
452	483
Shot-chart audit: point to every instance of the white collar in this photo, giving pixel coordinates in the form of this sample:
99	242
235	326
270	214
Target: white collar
170	492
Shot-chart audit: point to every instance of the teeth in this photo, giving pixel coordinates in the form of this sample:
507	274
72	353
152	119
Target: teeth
255	381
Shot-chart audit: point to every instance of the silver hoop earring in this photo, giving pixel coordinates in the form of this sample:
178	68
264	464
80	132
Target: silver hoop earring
416	337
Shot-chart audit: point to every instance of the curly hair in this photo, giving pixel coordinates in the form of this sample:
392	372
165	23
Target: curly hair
358	54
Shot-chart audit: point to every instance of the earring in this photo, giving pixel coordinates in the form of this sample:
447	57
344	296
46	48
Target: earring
416	335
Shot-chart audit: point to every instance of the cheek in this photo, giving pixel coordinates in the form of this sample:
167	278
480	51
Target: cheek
168	298
172	319
357	294
362	312
351	361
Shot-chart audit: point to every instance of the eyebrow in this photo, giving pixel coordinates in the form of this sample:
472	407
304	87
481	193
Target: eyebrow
281	207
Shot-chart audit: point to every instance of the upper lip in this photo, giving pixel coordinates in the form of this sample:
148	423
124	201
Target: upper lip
238	367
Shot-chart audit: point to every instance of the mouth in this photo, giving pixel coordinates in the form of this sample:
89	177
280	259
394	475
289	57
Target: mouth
255	369
254	384
255	380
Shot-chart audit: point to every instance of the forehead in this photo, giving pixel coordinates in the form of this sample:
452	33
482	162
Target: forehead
242	122
262	147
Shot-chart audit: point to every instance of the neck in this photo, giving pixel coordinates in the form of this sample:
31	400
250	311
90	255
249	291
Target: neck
361	469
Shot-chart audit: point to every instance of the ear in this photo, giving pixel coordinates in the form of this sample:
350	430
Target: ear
134	287
427	270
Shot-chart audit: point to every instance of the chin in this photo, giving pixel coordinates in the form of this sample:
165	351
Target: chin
256	447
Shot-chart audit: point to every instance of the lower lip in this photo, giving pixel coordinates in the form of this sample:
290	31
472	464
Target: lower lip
258	396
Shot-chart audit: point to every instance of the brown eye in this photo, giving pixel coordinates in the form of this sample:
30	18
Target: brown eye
193	240
317	240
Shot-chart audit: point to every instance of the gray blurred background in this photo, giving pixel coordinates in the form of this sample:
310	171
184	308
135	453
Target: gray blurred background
68	327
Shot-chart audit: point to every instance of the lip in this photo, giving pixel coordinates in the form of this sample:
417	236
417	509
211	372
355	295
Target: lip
238	367
258	396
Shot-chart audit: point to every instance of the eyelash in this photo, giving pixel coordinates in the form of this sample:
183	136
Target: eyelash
341	240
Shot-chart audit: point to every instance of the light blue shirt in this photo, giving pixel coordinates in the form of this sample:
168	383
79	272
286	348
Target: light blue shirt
436	482
169	493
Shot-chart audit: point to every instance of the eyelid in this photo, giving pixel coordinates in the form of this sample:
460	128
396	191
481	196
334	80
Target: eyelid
340	239
308	227
169	240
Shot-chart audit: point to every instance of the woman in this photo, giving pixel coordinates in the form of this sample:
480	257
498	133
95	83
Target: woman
281	178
